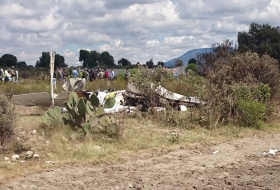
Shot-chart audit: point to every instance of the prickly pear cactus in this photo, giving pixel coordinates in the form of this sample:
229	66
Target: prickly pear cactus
84	113
52	116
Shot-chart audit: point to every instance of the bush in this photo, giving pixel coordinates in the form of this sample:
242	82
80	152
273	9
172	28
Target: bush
250	113
240	86
193	67
7	119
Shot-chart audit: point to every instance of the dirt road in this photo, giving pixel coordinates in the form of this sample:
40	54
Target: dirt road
239	164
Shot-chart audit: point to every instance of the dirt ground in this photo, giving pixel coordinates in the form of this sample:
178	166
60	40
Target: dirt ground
239	164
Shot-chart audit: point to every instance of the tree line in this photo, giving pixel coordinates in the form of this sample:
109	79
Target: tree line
262	39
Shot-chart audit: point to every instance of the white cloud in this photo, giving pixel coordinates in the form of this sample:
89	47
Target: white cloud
137	30
152	43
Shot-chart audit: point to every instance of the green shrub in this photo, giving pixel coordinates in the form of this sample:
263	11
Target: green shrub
193	67
250	113
121	76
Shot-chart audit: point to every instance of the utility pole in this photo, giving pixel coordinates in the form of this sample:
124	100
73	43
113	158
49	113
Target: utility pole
52	54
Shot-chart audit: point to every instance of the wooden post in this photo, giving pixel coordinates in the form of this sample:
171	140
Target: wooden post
52	54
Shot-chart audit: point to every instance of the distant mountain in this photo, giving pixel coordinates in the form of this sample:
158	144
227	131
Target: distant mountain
187	56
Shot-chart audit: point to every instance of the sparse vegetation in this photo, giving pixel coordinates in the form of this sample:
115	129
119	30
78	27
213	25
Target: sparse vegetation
239	94
7	120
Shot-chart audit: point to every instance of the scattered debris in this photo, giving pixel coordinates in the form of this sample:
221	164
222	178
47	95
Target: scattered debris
33	132
74	84
215	152
6	158
124	98
272	151
36	156
28	154
15	157
49	162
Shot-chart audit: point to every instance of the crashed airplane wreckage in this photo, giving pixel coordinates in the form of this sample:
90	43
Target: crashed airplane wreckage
44	99
133	97
124	99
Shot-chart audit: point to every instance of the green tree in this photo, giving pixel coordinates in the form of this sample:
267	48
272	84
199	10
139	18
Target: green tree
206	61
107	59
193	67
84	55
178	63
261	39
44	60
59	61
21	64
160	63
124	62
89	58
150	63
8	60
192	60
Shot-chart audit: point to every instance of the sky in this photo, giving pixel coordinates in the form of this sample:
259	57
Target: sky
137	30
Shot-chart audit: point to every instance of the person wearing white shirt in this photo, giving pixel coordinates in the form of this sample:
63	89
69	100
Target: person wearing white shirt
112	75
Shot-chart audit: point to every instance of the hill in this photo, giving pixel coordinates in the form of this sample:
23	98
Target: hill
187	56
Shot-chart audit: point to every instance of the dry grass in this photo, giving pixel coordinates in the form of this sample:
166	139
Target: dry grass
66	146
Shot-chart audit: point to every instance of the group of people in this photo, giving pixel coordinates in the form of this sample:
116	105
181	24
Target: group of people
88	74
9	75
98	74
93	74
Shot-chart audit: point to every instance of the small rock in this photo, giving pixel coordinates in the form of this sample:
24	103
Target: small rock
22	133
36	156
15	157
226	174
34	132
64	139
6	158
96	147
22	161
47	142
28	154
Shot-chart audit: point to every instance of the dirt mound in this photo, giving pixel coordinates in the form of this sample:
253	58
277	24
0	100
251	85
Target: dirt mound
239	164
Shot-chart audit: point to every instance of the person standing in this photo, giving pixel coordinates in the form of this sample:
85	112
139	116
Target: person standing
2	76
60	75
75	73
8	75
127	74
65	75
101	74
85	74
106	74
16	77
112	74
13	74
